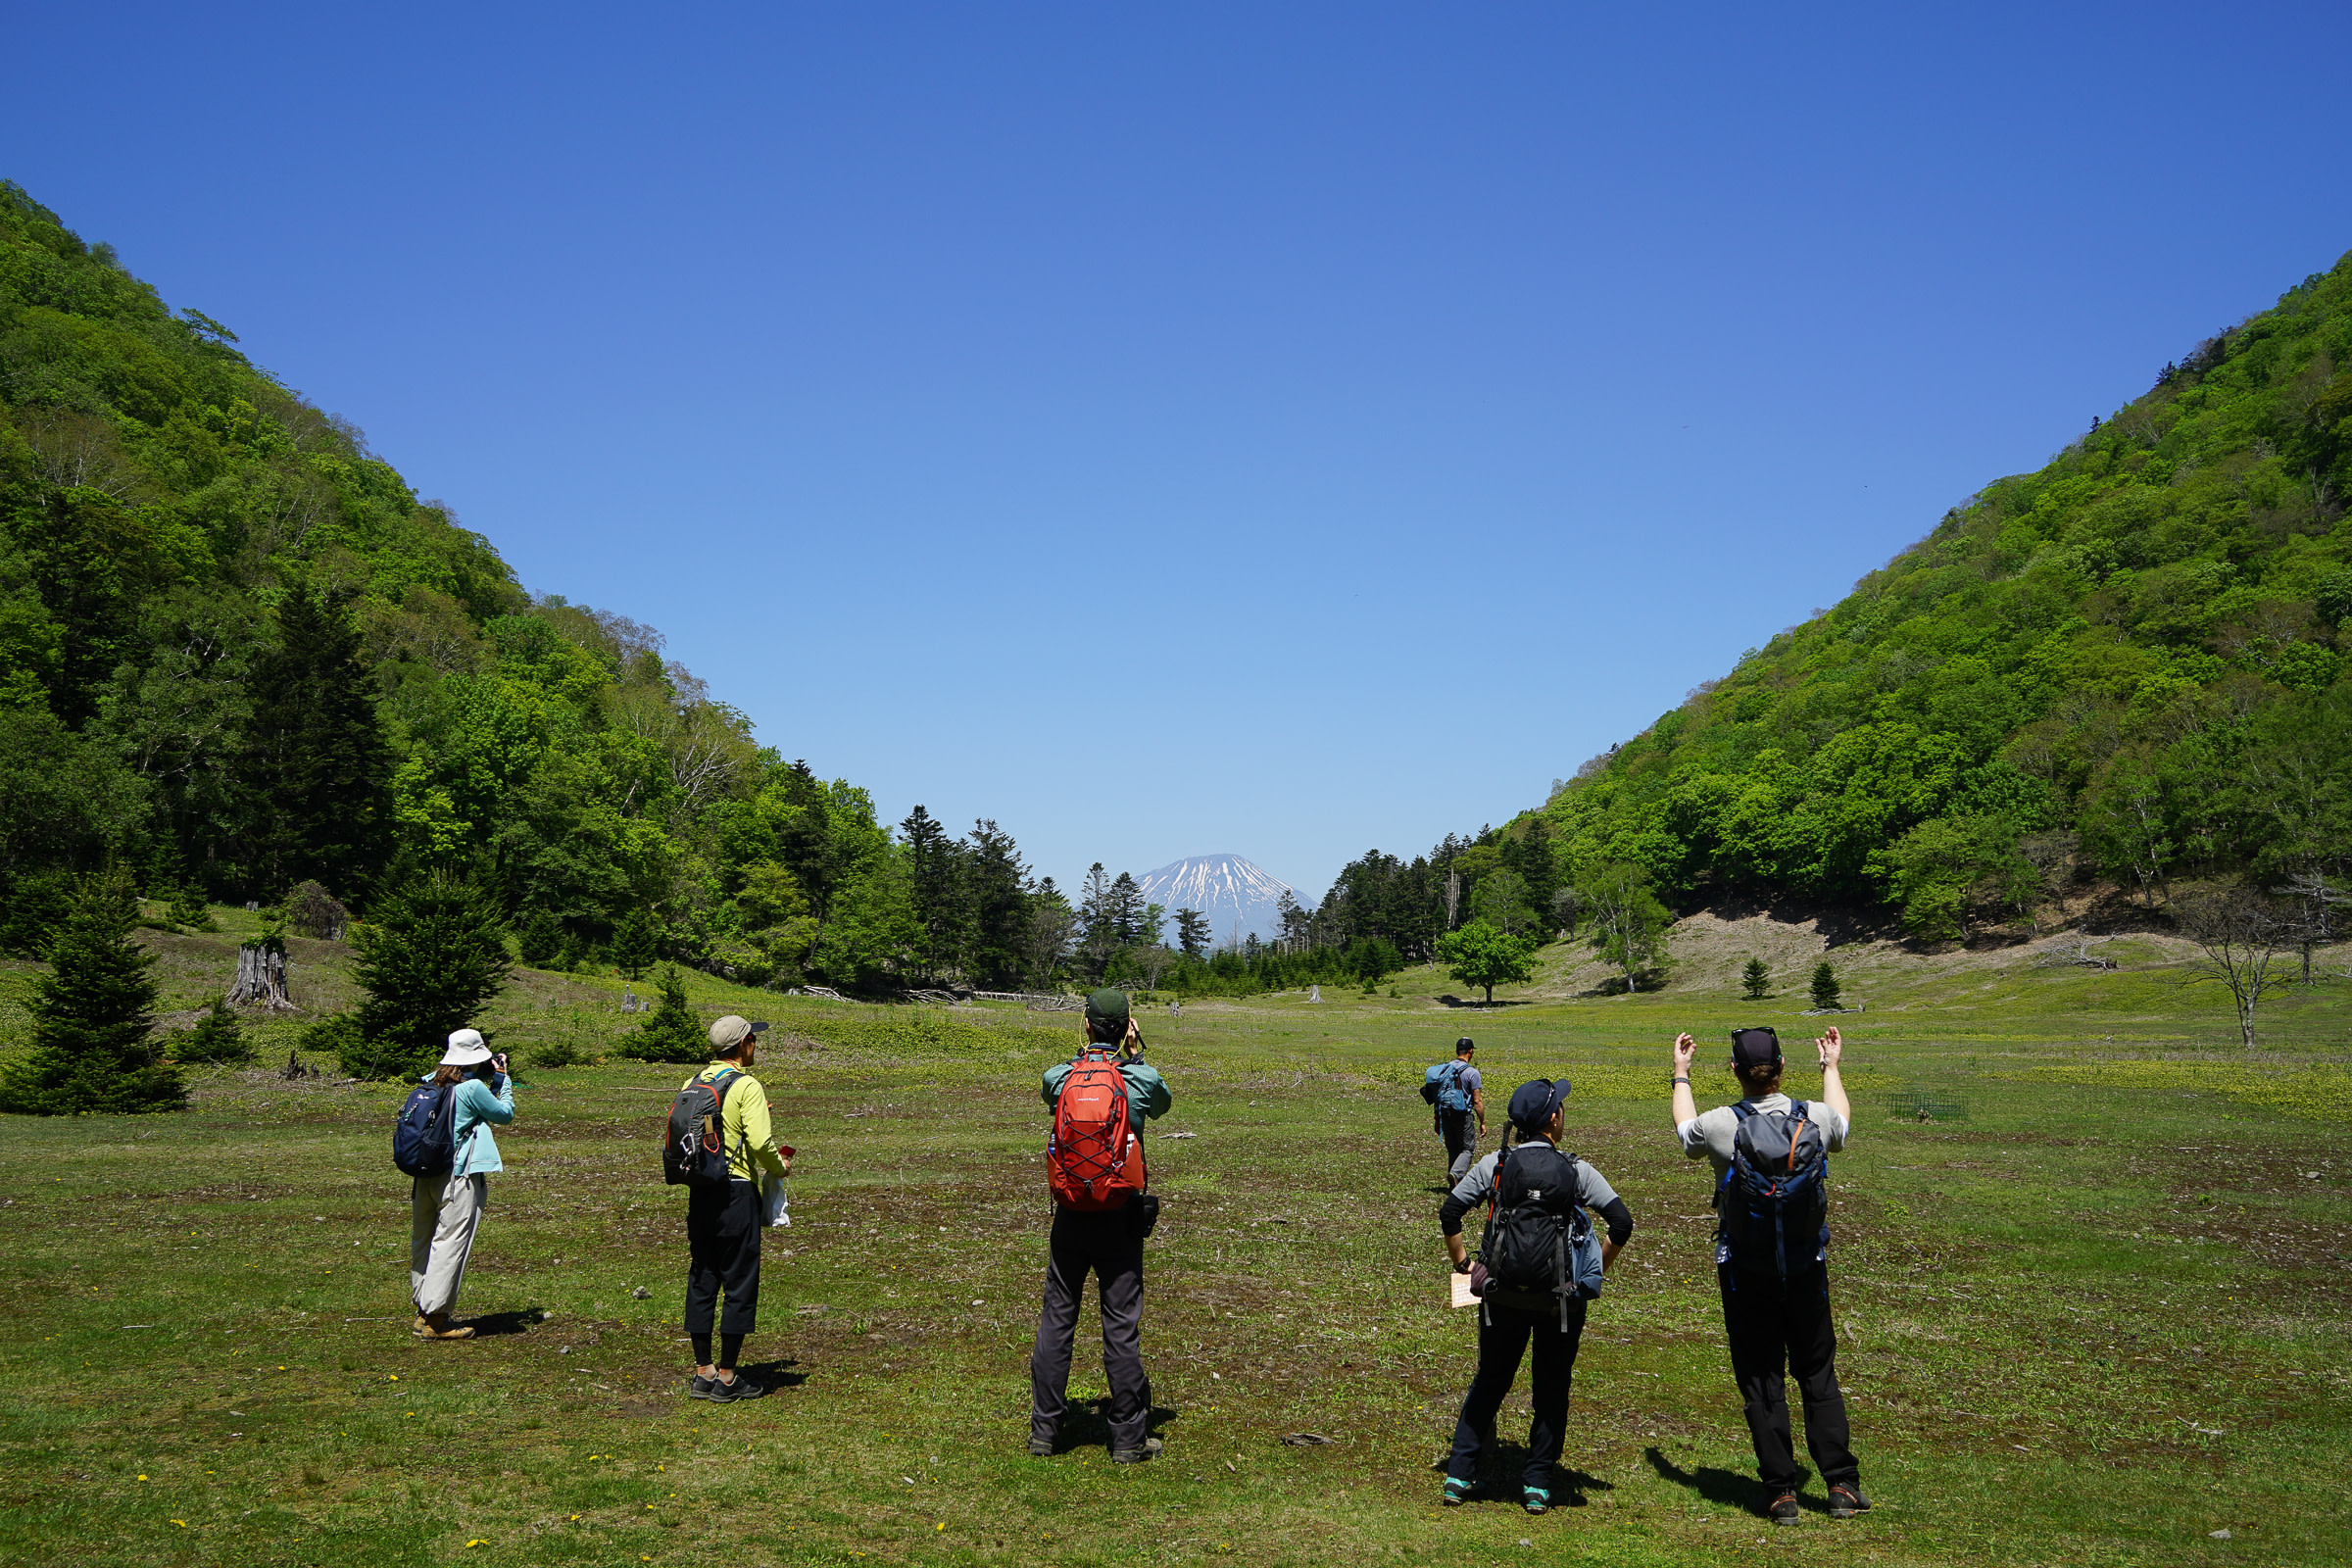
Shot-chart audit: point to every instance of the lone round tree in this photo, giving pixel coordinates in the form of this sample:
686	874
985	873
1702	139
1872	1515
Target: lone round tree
93	1043
1479	955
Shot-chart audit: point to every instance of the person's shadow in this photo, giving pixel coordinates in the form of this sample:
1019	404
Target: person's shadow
493	1324
773	1374
1725	1488
1088	1425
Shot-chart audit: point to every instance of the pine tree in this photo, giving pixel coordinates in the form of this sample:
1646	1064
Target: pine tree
217	1038
538	938
93	1046
1754	980
636	943
674	1032
434	952
1825	987
317	769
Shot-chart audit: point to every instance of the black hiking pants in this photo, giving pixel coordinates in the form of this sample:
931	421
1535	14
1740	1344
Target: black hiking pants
722	1239
1778	1333
1102	1243
1504	1335
1459	1129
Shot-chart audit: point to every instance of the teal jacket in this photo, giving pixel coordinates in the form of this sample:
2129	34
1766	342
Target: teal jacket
477	1108
1146	1090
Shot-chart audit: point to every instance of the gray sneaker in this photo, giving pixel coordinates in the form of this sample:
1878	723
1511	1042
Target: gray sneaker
724	1392
1041	1448
1150	1450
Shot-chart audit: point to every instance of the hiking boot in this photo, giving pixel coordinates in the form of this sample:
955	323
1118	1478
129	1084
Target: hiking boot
435	1326
1846	1502
1041	1448
1783	1509
1150	1450
1534	1500
699	1387
726	1391
1458	1492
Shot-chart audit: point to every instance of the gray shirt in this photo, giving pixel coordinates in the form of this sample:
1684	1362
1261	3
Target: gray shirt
1709	1134
1593	1189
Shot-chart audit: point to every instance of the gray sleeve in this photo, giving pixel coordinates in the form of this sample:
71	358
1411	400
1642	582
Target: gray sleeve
1592	1189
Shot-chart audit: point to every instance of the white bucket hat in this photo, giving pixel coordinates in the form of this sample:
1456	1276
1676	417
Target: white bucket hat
466	1050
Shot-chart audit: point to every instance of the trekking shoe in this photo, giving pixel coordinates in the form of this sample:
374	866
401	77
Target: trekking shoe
743	1388
1041	1448
1534	1500
1783	1509
435	1326
1150	1450
1846	1502
699	1387
1458	1492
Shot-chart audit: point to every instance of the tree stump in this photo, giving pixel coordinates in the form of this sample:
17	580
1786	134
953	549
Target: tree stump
262	977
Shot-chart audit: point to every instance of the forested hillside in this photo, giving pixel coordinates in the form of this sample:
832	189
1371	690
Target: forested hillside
237	653
2126	666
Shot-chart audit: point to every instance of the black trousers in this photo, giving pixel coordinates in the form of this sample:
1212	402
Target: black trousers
722	1239
1459	1129
1101	1243
1504	1334
1778	1333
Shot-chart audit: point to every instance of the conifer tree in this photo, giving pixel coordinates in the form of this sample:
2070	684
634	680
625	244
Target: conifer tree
1825	987
433	953
636	943
675	1032
217	1039
538	938
316	770
93	1045
1754	980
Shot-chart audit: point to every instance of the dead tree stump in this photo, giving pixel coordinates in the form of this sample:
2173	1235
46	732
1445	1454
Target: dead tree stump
262	977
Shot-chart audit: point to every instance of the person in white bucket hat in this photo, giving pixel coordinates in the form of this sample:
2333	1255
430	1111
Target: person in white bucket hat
444	1212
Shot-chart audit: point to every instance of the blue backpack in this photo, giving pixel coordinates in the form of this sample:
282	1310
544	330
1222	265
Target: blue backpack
1772	1208
1442	1087
424	1138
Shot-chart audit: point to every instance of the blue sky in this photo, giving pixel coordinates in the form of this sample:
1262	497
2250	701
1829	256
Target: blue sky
1282	430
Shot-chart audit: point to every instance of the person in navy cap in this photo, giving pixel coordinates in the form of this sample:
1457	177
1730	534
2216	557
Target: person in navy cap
1539	1194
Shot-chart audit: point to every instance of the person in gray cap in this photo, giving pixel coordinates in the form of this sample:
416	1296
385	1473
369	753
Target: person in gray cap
722	1224
1100	1217
1539	1189
445	1211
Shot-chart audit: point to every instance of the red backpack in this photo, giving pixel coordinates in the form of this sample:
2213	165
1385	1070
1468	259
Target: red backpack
1095	1161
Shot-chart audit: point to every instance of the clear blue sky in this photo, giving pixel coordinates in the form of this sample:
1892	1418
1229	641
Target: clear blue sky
1273	429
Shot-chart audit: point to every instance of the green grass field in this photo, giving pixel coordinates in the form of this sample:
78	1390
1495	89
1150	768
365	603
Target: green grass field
2094	1314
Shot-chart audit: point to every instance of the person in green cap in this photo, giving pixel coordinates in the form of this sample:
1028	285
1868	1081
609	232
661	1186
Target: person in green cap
1102	1213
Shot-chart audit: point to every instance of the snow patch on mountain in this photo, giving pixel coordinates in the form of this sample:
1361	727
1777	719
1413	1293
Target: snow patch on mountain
1238	896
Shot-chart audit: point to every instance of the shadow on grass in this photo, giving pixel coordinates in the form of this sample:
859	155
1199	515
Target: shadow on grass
1088	1426
492	1324
1501	1467
1450	999
1725	1488
774	1374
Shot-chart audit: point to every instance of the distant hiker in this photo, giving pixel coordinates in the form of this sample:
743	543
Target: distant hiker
1771	1237
1102	1213
1455	1088
467	1094
721	1139
1538	1264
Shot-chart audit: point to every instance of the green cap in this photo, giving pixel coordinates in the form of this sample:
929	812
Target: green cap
1107	1009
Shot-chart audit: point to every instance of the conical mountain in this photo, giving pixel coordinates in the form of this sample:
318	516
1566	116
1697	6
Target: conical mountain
1239	895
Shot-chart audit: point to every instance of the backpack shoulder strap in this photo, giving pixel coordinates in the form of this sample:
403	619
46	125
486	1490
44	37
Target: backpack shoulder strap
1741	1110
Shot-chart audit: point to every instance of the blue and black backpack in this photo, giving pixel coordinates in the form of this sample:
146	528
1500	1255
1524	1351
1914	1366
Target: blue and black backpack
1772	1207
1442	1086
424	1138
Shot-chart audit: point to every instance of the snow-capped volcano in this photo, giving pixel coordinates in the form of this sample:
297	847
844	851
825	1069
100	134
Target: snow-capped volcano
1237	896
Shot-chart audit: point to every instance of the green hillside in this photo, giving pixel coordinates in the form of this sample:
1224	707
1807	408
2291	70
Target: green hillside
237	652
2125	667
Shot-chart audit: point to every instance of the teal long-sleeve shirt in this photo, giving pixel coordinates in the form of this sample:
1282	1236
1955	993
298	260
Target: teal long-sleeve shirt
477	1107
1146	1090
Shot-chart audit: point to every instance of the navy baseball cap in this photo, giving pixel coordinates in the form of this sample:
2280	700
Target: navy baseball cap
1534	1102
1755	1047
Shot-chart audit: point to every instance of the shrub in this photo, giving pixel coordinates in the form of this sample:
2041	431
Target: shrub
338	1035
93	1045
313	911
217	1038
555	1053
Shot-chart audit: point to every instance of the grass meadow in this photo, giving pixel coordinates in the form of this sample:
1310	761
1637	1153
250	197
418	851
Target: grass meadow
2094	1312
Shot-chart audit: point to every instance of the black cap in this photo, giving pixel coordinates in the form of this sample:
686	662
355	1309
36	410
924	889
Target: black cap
1534	1102
1755	1047
1464	1044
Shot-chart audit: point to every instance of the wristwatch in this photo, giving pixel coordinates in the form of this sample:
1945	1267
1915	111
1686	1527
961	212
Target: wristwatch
1681	1080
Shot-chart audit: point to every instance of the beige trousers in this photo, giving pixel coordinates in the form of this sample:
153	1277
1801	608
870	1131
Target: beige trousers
444	1212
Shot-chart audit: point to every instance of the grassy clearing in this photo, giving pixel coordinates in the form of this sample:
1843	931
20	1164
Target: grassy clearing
2100	1317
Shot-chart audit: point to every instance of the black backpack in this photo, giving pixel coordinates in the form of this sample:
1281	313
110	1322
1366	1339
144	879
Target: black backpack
1772	1207
425	1137
1539	1240
694	1144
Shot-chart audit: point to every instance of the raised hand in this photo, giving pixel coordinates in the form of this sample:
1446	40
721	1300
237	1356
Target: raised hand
1830	1045
1686	1052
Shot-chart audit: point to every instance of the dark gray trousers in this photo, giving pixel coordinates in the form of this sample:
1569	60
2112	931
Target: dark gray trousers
1101	1243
